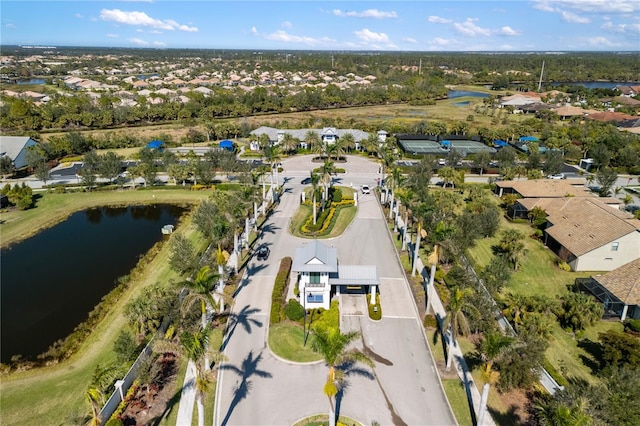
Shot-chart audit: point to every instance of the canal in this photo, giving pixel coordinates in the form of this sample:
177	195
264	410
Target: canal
50	282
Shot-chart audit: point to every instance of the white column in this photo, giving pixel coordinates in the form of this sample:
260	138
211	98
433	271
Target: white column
246	231
624	313
255	216
373	295
118	386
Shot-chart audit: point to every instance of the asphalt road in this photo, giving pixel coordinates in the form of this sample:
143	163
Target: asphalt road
256	388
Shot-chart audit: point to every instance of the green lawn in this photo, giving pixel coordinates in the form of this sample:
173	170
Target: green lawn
537	273
286	341
457	396
344	218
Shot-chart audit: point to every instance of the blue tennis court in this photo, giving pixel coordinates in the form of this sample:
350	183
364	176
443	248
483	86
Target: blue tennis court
424	146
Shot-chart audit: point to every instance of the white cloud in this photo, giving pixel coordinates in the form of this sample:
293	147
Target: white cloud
78	15
588	6
142	19
369	13
507	31
155	32
601	42
470	29
113	35
621	28
159	43
285	37
574	18
439	20
438	41
410	40
371	37
10	26
138	41
286	24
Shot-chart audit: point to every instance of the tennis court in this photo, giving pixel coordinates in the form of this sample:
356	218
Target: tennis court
423	146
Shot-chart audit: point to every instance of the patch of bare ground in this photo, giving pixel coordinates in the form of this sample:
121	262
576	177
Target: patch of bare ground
153	400
517	402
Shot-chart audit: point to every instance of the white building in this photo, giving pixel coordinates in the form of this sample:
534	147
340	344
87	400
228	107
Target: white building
320	277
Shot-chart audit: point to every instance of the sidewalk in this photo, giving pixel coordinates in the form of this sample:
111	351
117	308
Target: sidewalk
458	358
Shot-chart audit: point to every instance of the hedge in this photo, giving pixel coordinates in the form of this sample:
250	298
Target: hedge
279	291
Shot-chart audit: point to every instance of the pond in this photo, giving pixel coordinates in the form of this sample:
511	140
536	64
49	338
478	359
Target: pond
462	93
32	81
50	282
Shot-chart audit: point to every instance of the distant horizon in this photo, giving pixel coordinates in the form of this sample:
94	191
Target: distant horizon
257	51
366	25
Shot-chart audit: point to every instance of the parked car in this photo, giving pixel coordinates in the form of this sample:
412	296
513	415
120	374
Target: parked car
365	189
558	176
262	253
442	162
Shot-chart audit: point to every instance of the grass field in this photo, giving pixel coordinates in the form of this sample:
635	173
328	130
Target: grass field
51	209
285	340
539	275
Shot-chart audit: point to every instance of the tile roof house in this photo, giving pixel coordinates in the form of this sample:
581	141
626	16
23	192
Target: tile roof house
320	276
590	235
618	290
542	188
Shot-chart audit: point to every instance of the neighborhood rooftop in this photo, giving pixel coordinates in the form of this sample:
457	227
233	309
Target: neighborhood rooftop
583	224
623	283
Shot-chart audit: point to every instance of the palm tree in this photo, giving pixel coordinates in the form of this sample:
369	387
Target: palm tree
289	143
95	398
327	170
199	290
332	345
195	346
512	246
456	321
221	258
492	347
315	180
348	141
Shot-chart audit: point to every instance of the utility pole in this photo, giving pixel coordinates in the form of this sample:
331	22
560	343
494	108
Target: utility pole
541	72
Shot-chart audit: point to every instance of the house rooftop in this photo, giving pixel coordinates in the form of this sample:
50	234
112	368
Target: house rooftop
547	188
315	257
583	224
623	282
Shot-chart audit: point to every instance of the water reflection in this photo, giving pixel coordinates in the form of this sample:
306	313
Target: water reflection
51	281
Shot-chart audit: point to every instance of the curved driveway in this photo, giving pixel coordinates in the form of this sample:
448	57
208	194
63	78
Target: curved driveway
256	388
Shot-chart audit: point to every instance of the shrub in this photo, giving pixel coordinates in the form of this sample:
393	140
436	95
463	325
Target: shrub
374	314
563	266
336	196
279	291
294	310
619	349
555	374
430	321
633	325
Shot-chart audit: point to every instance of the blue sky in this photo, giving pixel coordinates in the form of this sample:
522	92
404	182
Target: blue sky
508	25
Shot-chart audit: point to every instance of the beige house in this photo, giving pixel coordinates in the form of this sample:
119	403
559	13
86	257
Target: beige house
618	290
590	235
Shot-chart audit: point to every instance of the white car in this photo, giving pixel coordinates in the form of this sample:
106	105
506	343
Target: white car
365	189
558	176
442	162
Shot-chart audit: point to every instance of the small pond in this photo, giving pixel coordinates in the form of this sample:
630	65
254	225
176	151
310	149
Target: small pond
462	93
50	282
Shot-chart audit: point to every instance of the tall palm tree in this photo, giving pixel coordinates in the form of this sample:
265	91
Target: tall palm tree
456	321
313	140
200	290
95	398
315	180
348	141
332	345
220	258
327	170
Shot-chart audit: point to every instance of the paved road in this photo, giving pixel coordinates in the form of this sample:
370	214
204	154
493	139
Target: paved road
256	388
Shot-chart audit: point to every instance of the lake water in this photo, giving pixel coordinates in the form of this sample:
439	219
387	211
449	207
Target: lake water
462	93
32	81
597	84
50	282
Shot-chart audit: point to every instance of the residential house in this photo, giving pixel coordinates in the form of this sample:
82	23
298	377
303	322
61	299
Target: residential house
320	276
542	188
590	235
328	134
15	147
618	290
